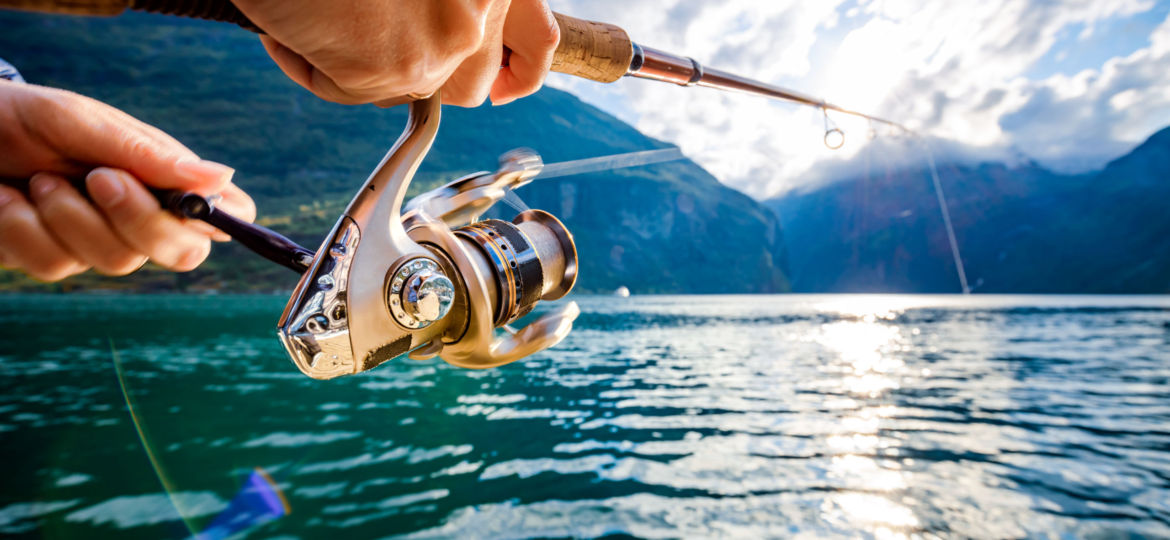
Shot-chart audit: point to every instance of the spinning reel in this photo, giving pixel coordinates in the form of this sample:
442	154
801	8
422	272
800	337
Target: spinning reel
428	278
431	279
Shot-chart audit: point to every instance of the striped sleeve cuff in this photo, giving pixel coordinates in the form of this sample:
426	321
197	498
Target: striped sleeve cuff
7	71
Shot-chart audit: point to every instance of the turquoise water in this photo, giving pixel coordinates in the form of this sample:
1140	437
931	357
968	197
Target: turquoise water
819	416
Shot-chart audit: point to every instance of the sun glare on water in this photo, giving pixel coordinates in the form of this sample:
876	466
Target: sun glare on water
867	355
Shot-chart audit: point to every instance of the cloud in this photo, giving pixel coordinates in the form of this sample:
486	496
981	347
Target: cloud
953	70
1077	122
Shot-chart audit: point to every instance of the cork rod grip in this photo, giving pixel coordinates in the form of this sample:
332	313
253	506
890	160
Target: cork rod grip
592	50
68	7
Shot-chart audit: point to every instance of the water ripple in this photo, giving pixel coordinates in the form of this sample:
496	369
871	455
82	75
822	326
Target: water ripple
658	417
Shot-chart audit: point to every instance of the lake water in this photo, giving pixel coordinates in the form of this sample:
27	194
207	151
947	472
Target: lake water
817	416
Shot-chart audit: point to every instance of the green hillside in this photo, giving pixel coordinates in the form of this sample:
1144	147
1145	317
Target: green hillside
664	228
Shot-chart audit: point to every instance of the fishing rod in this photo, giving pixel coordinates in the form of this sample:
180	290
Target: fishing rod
597	51
428	277
605	53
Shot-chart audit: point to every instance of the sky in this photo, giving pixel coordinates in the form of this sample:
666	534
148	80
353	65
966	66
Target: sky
1070	84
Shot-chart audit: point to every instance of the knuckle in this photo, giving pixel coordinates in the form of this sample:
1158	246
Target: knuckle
137	148
417	70
464	32
547	36
466	44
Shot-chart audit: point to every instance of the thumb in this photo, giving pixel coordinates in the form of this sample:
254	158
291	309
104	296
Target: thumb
86	131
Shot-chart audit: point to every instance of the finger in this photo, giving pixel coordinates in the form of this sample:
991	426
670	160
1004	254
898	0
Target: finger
235	203
298	69
532	34
85	131
294	66
420	93
393	102
471	83
25	244
206	229
80	228
139	221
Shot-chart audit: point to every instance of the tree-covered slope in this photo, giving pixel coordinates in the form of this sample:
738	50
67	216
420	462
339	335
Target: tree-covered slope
664	228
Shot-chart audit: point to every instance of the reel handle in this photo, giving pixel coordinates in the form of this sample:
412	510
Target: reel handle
261	240
596	51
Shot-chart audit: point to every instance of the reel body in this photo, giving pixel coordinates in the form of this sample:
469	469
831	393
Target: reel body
430	280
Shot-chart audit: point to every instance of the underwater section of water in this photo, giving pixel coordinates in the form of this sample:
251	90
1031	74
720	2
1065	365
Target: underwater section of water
769	416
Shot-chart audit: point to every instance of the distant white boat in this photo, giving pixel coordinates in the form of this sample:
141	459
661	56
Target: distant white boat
622	292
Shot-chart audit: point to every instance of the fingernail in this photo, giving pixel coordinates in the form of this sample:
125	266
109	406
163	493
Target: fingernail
42	185
191	259
195	170
6	197
105	187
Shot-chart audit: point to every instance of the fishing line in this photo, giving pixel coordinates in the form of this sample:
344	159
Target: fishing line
167	484
260	499
946	215
514	200
611	162
943	207
595	164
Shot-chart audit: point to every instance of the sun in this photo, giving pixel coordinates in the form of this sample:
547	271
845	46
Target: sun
867	65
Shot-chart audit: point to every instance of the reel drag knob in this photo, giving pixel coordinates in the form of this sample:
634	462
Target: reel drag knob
428	296
419	294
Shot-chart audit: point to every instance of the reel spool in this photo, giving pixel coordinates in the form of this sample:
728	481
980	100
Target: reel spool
431	280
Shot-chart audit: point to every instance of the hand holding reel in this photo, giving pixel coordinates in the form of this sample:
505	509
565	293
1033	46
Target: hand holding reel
430	280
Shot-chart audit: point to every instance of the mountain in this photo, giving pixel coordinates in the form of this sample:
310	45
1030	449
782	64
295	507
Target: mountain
666	228
1020	229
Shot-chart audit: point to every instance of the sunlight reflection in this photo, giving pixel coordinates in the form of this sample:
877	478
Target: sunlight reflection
876	511
868	357
866	354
